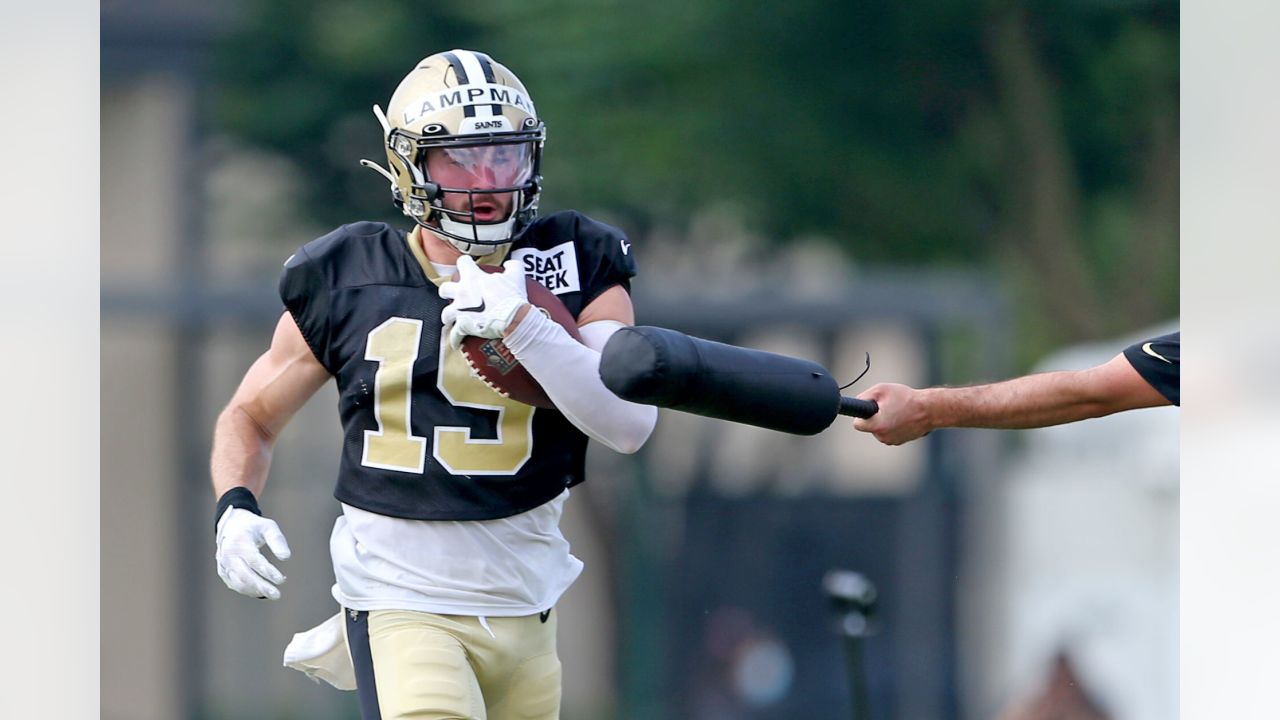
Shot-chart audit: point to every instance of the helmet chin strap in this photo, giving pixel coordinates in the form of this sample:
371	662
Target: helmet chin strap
493	234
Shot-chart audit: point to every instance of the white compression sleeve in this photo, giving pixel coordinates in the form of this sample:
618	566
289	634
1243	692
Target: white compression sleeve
569	372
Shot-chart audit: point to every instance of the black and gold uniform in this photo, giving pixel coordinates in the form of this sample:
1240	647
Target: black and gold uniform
424	438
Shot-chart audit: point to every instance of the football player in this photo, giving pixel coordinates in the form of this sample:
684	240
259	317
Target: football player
448	557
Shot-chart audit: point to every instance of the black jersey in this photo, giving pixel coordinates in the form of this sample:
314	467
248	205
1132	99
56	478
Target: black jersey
1158	362
424	437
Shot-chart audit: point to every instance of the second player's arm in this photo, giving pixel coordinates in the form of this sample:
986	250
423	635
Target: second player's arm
1032	401
274	388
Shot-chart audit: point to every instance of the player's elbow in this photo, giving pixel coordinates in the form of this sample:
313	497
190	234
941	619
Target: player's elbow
636	432
629	447
1115	387
237	419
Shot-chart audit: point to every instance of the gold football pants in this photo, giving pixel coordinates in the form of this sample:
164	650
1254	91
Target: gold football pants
451	667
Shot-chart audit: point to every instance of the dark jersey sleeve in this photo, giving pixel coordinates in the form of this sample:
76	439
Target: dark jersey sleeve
1158	361
305	292
607	258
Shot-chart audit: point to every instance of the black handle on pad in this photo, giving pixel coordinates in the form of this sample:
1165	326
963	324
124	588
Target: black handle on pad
854	407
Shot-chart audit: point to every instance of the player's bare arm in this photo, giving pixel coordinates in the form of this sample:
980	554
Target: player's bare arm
1045	399
278	383
1117	386
273	389
1032	401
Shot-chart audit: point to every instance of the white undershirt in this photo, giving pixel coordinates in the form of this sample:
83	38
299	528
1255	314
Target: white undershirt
512	566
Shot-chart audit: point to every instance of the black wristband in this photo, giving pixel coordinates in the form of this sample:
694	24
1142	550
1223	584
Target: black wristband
238	497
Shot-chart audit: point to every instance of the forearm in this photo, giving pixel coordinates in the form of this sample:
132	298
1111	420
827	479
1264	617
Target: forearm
241	457
241	452
1032	401
569	372
275	387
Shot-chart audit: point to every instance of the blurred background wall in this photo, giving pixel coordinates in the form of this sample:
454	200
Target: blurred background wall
966	190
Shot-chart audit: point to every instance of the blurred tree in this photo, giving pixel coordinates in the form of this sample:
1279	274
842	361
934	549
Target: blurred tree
1038	137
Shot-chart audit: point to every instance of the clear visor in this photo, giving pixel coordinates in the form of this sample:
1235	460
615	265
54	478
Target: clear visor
499	167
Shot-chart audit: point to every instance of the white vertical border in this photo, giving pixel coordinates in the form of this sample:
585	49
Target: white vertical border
1230	304
1230	255
49	357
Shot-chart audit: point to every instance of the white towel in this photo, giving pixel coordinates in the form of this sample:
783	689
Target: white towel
322	654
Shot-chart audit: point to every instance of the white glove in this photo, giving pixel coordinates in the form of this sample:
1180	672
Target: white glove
241	564
483	303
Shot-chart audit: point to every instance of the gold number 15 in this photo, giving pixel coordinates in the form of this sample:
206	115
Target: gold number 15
393	446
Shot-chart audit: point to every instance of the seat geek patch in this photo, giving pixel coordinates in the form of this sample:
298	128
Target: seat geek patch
556	268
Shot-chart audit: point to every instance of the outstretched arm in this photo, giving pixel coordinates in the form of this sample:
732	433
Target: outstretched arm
273	389
1030	401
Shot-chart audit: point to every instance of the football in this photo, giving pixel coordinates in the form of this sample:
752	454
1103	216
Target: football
493	363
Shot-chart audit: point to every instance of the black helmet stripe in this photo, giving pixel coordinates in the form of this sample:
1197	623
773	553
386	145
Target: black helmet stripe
475	70
461	74
459	71
486	66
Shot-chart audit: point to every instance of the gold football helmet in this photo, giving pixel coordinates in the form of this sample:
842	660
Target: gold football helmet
464	148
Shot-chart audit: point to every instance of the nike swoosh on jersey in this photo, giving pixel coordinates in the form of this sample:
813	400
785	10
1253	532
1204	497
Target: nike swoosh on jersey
626	247
1146	348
